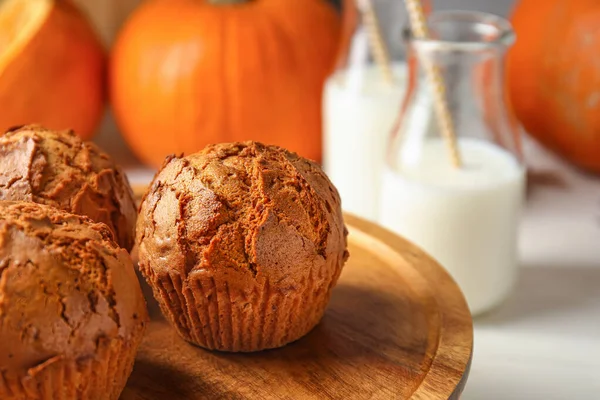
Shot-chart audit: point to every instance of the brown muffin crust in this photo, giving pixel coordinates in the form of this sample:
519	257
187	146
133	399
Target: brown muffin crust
235	221
57	168
69	298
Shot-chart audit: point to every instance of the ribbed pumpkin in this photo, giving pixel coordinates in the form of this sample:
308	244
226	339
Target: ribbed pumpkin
186	73
554	76
52	67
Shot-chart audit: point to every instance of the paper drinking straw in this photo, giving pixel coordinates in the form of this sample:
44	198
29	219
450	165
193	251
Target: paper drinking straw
419	29
378	46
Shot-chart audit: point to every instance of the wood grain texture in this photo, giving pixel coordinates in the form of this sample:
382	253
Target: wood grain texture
397	327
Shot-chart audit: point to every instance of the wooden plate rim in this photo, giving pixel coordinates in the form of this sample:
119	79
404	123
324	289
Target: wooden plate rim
451	362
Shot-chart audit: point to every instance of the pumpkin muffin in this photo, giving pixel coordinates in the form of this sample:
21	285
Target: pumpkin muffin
242	244
72	313
59	169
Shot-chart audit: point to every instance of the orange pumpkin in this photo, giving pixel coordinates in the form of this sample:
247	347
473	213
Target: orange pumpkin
51	67
554	76
186	73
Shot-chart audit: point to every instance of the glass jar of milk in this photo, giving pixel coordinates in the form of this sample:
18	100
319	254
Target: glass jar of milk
361	101
466	217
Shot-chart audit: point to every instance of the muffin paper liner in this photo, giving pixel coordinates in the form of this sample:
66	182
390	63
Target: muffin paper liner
214	315
99	377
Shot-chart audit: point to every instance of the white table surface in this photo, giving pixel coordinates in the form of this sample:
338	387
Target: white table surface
544	342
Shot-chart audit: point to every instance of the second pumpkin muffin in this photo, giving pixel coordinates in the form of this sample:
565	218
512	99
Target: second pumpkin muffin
242	244
72	313
59	169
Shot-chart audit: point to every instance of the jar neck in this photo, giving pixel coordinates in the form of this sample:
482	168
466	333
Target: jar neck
461	42
468	76
467	50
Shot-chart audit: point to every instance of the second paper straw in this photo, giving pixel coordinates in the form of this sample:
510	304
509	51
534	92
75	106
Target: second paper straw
420	31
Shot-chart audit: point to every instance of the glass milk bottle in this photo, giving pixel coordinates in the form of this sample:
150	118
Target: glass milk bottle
466	217
361	102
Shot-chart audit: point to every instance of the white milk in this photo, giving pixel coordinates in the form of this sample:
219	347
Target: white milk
467	219
359	111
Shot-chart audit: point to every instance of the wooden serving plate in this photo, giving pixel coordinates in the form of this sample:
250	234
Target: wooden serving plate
397	327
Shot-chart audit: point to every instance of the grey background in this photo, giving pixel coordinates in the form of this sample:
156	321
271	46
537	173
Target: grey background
500	7
394	19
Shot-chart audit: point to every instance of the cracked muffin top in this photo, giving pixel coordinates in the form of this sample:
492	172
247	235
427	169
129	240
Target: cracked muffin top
241	212
57	168
65	285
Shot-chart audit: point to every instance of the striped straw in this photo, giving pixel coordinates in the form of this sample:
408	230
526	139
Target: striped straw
376	42
420	31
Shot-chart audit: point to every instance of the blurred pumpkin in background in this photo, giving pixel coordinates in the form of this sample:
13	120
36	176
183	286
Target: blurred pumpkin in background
186	73
554	76
52	67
